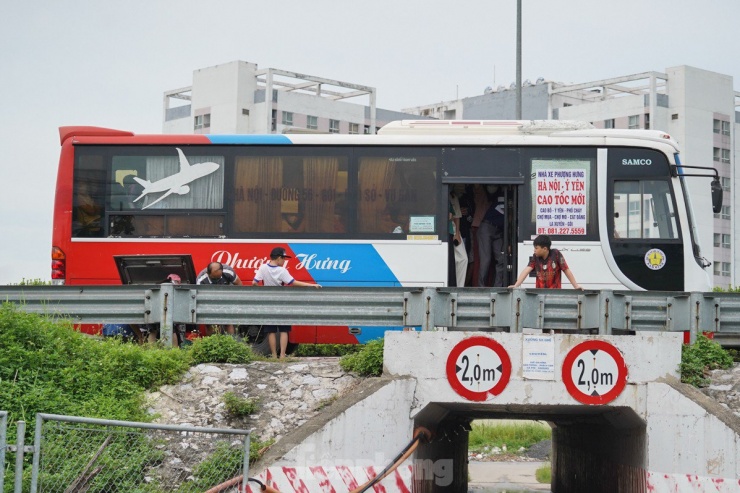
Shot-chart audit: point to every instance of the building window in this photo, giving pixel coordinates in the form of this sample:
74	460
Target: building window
722	269
609	123
287	118
721	155
726	241
367	130
274	120
634	122
721	127
717	239
312	122
647	121
354	128
202	121
724	213
333	126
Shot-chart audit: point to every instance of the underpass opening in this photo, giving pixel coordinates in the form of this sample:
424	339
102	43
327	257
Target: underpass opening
595	449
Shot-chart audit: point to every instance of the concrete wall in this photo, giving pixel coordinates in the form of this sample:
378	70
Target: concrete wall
689	433
366	428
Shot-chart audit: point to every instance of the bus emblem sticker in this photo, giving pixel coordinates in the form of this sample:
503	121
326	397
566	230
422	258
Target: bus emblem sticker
655	259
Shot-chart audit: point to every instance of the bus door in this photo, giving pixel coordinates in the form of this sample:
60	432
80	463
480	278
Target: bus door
490	172
510	236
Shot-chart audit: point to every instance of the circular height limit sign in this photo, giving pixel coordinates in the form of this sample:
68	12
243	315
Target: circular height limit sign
478	368
594	372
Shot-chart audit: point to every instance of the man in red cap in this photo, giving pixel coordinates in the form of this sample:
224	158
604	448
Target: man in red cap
273	273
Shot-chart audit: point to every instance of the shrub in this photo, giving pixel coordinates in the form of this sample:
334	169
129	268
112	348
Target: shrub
220	349
239	406
699	358
368	361
48	367
326	349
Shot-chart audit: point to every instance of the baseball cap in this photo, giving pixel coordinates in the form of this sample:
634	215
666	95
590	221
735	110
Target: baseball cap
279	252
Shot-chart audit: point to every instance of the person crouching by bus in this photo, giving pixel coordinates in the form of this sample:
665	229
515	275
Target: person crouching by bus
218	273
547	264
273	273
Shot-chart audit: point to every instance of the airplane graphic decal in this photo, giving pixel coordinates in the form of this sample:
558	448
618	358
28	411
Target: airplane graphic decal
177	183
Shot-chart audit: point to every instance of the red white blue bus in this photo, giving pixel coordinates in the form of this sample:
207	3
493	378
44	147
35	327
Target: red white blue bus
373	210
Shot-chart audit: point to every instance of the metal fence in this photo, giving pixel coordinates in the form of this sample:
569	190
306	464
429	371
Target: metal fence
596	311
73	454
3	446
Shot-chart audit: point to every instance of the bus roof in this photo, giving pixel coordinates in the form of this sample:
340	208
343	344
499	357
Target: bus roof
488	127
421	132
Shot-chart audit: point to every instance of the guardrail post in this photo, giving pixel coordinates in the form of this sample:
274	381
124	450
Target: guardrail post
163	301
697	302
414	303
606	303
441	307
517	310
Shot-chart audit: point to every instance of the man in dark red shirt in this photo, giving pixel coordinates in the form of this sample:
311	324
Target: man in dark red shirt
547	264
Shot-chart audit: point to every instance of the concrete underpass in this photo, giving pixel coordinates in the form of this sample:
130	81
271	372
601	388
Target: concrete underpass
621	420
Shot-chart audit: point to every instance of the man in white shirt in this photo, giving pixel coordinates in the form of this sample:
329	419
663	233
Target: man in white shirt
273	273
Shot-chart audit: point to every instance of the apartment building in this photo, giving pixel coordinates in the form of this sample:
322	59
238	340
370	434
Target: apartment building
239	98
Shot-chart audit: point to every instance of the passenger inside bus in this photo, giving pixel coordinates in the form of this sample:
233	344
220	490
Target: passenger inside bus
87	213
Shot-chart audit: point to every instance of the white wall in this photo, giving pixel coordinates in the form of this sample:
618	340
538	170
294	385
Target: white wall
225	90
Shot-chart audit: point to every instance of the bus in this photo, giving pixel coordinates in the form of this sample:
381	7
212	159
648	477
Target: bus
373	210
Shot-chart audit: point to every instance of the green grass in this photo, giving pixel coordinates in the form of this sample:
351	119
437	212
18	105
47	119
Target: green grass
514	435
544	474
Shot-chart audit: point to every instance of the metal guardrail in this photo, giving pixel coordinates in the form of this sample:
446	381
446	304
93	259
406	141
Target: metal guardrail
599	312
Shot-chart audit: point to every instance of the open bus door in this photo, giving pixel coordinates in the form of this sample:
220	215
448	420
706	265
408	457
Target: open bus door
509	237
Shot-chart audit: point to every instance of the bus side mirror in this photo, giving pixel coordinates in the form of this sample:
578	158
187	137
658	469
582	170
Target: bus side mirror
716	196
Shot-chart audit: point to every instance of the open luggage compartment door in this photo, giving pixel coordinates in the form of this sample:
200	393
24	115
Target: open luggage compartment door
154	269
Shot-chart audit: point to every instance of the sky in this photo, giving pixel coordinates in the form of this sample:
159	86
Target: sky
91	62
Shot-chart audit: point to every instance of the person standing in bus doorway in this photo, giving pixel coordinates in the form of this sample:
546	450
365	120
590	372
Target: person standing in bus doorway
273	273
458	256
548	264
492	200
218	273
